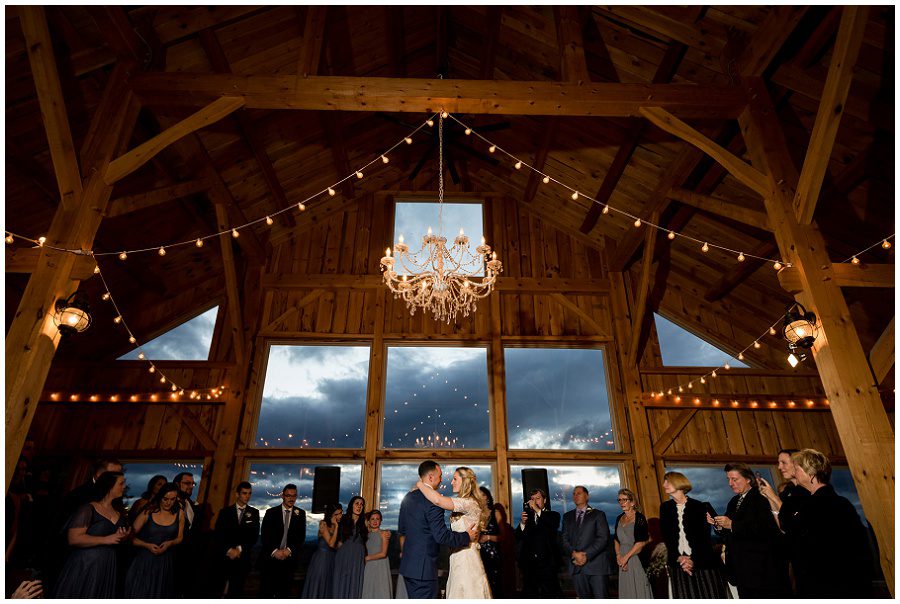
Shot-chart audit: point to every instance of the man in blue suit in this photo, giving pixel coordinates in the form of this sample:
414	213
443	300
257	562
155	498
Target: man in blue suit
423	528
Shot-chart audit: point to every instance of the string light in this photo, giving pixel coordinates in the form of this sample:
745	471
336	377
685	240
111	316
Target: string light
9	238
359	174
546	180
199	242
162	251
123	256
855	260
269	221
384	159
705	247
301	206
492	148
886	244
518	167
41	241
575	195
671	235
637	222
105	296
741	257
235	234
468	131
777	266
606	209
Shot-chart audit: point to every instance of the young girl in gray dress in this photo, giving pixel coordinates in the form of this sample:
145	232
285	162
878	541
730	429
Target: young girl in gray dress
377	578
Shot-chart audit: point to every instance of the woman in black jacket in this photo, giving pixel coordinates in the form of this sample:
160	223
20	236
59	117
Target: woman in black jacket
694	568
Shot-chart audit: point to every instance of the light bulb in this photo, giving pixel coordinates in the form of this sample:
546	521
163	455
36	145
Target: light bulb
713	374
637	222
408	140
429	230
118	319
199	242
705	247
777	266
461	232
174	388
855	260
606	209
886	244
400	239
384	159
96	269
162	379
575	195
9	238
800	332
518	167
483	240
771	331
740	356
492	148
269	220
757	344
387	252
793	360
726	366
235	234
468	131
445	115
42	241
105	296
671	235
122	256
301	207
680	389
162	251
359	174
702	380
132	339
430	122
152	369
741	257
546	179
141	356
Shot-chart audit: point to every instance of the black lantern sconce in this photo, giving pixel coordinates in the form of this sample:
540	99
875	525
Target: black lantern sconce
800	330
73	315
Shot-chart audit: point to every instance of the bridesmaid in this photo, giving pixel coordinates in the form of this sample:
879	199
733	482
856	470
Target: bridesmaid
93	533
490	546
158	528
377	577
320	574
631	535
350	559
153	487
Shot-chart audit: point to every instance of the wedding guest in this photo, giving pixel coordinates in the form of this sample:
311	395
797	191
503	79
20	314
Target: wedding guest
754	560
585	538
94	531
283	534
539	553
190	558
832	547
157	530
85	492
28	590
350	559
235	534
490	546
631	536
153	487
377	574
320	574
507	543
694	568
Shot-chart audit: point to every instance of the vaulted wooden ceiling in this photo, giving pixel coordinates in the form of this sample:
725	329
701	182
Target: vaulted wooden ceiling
270	159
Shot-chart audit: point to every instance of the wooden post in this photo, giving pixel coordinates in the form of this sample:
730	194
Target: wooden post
32	338
856	405
648	487
374	399
497	366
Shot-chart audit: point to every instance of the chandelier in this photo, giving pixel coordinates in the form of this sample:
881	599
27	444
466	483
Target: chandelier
436	277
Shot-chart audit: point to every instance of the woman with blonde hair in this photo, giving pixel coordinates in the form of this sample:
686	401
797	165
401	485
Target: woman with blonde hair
631	535
467	578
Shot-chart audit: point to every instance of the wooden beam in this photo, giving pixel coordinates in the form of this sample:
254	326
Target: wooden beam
540	159
721	207
881	357
512	285
856	404
587	319
52	103
374	399
844	274
396	40
668	437
491	38
231	285
740	272
738	402
831	108
501	97
643	292
196	428
139	201
26	260
770	36
571	45
140	155
32	337
294	309
743	172
313	37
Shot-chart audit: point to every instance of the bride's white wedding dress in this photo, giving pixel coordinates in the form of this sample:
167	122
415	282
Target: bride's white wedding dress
467	578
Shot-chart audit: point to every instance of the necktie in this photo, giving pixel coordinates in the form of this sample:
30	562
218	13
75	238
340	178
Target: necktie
240	513
740	501
578	516
287	524
189	513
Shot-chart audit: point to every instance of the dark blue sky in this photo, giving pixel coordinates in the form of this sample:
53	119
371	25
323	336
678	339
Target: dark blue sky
190	341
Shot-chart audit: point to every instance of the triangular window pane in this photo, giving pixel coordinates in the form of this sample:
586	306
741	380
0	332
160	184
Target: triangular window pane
190	341
681	348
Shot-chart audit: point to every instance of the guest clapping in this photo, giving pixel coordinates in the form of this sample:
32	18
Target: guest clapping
694	569
158	528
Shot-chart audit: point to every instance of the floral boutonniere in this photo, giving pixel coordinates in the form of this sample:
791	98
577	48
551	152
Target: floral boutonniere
247	515
296	512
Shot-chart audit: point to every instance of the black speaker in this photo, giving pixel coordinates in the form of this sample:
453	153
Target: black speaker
326	487
535	478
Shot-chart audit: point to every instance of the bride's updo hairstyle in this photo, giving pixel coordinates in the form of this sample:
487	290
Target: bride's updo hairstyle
469	488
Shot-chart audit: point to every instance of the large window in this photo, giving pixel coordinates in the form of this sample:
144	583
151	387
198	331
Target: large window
139	473
397	479
412	220
314	397
268	480
681	348
557	398
602	482
709	483
436	397
190	341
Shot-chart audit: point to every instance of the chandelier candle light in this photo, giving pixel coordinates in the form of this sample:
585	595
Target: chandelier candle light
437	278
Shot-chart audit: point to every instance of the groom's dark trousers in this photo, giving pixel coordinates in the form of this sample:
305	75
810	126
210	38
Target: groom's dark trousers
424	530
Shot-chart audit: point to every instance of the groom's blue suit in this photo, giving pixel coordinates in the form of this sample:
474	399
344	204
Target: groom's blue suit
424	529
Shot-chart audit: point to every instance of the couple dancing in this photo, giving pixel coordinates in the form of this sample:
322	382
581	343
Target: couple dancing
423	530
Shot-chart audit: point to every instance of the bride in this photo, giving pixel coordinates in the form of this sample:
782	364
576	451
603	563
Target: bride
467	578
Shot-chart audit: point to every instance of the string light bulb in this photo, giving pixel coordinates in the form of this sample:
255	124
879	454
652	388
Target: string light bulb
606	209
359	174
518	167
141	355
740	356
301	207
152	369
42	241
235	234
574	195
132	339
757	345
430	122
468	131
269	221
105	296
772	331
637	222
741	257
118	319
161	251
705	247
546	180
671	235
96	269
726	366
777	266
123	256
702	380
199	242
855	260
713	374
408	140
9	238
492	148
445	115
384	159
886	244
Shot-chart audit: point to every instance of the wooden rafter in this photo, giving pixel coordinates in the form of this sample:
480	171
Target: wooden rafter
518	285
571	45
491	39
831	108
196	427
668	437
881	357
25	260
313	39
336	93
122	206
643	292
396	40
741	271
540	160
844	274
231	284
721	207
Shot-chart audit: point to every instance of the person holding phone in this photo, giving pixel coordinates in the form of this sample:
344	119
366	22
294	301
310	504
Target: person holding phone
539	557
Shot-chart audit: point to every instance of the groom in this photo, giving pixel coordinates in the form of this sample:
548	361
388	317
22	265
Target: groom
422	525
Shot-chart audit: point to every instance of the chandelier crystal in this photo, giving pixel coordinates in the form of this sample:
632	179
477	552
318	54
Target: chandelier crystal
436	277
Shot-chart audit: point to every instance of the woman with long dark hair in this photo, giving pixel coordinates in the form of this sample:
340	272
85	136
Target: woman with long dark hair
94	531
490	546
159	528
350	559
320	574
153	487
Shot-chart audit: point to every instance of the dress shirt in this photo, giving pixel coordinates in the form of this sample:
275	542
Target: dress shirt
684	547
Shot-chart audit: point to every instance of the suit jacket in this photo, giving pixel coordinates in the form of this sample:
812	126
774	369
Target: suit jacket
229	533
424	528
592	538
538	539
753	546
273	529
696	529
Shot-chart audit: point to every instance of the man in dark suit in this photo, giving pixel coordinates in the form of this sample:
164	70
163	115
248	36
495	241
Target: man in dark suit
423	529
236	532
84	493
538	548
191	556
585	538
283	534
754	560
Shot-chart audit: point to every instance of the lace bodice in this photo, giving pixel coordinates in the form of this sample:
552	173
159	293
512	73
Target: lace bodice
471	515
